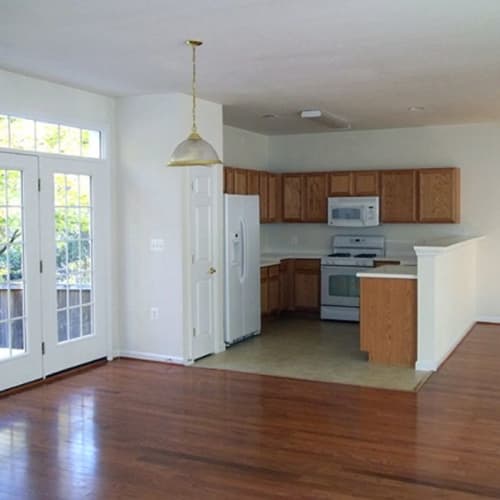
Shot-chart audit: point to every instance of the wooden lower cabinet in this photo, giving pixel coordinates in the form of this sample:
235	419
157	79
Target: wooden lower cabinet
292	285
273	289
388	320
306	285
270	300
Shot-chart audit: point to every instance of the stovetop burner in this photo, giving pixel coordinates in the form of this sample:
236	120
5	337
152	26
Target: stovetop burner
340	254
366	255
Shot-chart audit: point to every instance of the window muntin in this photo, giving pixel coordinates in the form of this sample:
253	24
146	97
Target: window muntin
32	135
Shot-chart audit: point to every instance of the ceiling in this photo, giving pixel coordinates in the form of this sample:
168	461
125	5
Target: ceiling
366	61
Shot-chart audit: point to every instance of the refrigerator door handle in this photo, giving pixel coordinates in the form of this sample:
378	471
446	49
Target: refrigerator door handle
243	261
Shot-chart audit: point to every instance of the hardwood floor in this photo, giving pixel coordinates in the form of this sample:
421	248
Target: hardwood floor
140	430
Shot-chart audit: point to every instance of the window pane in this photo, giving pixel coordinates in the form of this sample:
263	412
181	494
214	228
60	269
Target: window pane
62	326
74	322
16	302
22	133
15	262
4	337
60	189
86	320
4	131
91	143
69	140
4	298
61	297
17	331
14	189
47	137
84	191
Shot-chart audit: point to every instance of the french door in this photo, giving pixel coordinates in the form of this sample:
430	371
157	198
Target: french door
52	266
20	306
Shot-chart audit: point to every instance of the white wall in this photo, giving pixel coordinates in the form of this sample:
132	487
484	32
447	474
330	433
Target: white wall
473	148
152	205
33	98
447	308
41	100
245	149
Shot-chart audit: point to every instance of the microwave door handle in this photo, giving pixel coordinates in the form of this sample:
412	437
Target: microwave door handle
363	215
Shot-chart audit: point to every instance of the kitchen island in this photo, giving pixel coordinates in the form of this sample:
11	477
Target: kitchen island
388	314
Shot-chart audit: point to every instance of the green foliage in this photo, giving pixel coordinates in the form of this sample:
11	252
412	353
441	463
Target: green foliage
72	227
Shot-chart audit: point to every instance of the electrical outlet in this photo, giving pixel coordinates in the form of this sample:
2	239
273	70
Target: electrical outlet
294	240
154	313
157	245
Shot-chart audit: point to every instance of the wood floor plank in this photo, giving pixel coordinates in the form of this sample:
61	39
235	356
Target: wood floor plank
132	429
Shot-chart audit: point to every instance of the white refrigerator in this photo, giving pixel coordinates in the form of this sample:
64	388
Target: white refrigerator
241	267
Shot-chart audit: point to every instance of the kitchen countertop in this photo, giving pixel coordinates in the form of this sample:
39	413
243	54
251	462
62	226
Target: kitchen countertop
272	259
398	272
405	260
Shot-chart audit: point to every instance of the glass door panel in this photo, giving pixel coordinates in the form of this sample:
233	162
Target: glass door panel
73	235
20	322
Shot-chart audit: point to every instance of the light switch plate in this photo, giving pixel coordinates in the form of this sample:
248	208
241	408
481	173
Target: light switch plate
157	245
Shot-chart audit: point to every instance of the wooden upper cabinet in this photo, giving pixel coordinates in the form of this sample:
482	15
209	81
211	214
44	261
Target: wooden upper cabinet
315	199
264	196
340	184
366	183
273	197
398	195
293	191
439	195
253	177
229	180
240	181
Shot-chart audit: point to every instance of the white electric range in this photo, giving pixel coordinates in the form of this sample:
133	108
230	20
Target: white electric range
339	284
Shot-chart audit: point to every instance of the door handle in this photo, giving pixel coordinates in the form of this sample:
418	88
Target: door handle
212	270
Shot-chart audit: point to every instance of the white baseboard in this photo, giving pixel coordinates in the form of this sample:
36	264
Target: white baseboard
426	366
488	319
149	356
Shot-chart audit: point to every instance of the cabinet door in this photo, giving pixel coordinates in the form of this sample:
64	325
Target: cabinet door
273	289
439	195
273	197
398	195
366	183
315	206
253	177
264	196
292	197
340	184
240	181
286	284
307	282
264	292
229	180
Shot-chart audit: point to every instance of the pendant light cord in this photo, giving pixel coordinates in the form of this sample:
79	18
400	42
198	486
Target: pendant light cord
193	89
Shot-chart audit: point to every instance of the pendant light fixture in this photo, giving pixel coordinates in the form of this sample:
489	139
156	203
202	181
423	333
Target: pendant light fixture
194	151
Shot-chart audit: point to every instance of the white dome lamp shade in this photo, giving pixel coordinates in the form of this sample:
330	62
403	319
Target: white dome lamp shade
194	151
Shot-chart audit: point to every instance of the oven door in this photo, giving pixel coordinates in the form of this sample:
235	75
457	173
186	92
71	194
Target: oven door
340	286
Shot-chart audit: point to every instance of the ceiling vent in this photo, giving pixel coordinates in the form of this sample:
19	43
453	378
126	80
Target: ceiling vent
325	119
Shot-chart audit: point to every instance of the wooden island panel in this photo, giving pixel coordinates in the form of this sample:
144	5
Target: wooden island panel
388	320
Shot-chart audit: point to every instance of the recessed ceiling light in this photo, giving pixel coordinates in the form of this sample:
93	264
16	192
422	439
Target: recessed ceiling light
416	108
269	116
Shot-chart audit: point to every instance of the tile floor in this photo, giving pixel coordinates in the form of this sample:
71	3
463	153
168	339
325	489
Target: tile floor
310	349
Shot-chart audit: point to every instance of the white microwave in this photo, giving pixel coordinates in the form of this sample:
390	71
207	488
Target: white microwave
360	211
